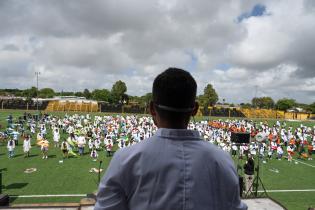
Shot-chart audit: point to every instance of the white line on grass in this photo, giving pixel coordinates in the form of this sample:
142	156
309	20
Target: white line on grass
304	163
306	190
45	196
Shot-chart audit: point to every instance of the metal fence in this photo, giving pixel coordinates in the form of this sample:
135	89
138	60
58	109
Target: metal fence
222	112
22	104
115	108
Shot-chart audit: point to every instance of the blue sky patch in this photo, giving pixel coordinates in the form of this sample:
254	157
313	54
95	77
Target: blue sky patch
192	65
223	66
258	10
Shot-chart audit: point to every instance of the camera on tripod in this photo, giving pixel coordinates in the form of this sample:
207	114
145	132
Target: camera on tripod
244	138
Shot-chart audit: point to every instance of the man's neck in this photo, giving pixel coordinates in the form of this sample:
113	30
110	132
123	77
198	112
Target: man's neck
172	126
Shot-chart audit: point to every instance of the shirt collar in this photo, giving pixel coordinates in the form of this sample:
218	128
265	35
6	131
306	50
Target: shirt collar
178	134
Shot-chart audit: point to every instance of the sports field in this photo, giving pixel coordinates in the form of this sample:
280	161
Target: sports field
292	184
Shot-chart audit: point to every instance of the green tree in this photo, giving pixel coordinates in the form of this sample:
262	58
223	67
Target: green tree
2	93
246	105
19	94
312	107
209	97
147	98
14	92
65	93
118	92
30	93
101	95
79	94
285	103
135	99
263	102
306	107
46	93
142	100
86	93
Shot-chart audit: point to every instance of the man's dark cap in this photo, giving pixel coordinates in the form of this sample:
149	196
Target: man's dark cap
174	90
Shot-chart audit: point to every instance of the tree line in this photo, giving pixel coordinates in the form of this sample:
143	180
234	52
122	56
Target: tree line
282	104
117	95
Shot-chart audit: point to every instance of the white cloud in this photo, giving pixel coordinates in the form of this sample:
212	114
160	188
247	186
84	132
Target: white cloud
79	45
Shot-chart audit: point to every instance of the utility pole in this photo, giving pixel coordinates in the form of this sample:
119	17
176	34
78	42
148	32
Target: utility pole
37	73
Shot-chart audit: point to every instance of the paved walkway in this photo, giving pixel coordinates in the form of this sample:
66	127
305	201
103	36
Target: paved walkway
262	204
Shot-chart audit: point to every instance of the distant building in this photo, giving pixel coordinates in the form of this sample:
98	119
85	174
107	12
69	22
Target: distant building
297	109
71	103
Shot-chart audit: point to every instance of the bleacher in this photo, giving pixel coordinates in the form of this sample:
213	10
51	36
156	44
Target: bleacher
65	106
263	113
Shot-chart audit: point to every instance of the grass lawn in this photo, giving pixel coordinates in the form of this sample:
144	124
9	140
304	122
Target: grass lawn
70	177
52	177
290	176
73	176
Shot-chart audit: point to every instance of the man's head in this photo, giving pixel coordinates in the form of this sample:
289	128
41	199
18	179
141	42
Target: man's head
174	94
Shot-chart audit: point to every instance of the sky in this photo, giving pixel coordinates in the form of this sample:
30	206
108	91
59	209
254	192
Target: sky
244	48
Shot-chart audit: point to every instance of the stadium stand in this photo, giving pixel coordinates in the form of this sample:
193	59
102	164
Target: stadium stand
65	106
275	114
72	103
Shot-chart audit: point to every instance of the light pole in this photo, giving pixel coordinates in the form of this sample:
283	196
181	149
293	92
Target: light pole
37	73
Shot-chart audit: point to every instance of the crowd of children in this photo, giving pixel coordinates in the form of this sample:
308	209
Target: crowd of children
100	133
79	132
267	141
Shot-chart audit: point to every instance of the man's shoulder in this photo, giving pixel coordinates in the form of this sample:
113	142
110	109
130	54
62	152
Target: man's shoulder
212	149
136	148
212	154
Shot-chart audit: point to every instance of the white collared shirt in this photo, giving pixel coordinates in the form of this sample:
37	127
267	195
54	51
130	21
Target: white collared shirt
174	169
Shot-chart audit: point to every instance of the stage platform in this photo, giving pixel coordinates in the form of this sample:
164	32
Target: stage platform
253	204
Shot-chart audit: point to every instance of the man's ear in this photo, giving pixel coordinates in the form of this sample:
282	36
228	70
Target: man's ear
196	107
152	109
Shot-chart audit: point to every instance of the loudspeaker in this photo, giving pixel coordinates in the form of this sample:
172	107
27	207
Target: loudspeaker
240	138
4	200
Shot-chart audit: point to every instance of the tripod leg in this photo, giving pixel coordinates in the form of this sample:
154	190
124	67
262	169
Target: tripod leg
249	190
264	189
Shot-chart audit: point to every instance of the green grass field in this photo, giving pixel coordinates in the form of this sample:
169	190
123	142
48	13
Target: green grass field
73	176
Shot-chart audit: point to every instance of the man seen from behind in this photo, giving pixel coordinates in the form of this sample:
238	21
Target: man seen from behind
175	169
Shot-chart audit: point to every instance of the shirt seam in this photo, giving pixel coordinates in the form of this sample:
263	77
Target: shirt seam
184	197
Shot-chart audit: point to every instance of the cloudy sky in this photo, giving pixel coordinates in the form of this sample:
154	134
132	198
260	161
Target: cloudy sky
243	47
